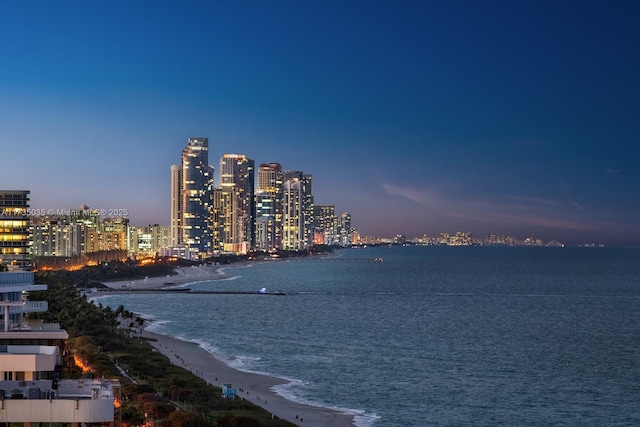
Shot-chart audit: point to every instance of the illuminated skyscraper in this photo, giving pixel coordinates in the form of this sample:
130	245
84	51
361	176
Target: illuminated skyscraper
297	211
176	203
325	224
31	356
14	230
268	234
345	229
191	198
235	205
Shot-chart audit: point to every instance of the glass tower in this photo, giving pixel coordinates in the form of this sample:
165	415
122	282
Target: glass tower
191	198
236	203
269	207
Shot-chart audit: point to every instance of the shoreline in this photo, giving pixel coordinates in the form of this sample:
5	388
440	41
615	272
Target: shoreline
256	388
184	277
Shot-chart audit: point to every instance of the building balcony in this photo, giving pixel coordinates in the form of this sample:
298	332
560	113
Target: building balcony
18	281
16	278
17	307
14	244
36	326
33	330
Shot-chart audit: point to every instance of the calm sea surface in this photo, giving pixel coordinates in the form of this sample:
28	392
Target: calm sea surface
432	336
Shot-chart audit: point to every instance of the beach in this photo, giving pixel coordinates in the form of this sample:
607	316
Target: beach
183	277
256	388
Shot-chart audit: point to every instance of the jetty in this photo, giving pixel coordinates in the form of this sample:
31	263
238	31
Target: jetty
187	291
331	259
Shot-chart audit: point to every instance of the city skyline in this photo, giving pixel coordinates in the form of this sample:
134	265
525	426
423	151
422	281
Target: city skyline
415	117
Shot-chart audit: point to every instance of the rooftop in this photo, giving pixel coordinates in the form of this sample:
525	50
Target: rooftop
60	389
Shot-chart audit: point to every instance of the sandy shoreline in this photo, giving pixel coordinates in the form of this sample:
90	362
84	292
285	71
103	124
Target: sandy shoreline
256	388
185	276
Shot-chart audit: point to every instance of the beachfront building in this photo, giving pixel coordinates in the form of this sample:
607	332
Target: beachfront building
325	225
268	231
31	391
297	211
55	236
148	241
234	204
80	232
345	229
70	232
95	233
176	204
104	240
191	199
14	229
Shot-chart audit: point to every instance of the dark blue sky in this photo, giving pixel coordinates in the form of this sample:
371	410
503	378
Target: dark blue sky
416	117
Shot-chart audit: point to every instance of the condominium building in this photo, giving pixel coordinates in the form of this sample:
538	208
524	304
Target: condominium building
176	204
297	211
96	241
345	229
31	391
228	235
268	234
235	204
148	240
325	224
191	198
75	232
14	229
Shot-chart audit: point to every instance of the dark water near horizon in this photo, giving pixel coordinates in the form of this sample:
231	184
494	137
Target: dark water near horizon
432	336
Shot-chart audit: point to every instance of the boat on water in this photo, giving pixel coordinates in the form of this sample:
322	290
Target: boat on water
378	260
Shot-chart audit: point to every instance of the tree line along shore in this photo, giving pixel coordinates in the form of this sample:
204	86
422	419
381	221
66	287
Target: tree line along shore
109	344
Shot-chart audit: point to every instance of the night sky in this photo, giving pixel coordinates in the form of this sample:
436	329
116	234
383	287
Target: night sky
510	117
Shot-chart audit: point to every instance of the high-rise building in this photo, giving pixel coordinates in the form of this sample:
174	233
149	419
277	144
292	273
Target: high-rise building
325	224
268	234
15	237
148	240
75	232
235	205
293	216
176	203
191	198
96	241
30	350
31	364
345	229
43	237
297	211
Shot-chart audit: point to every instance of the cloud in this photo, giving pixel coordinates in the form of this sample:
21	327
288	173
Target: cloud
539	220
417	196
610	171
517	211
534	200
447	206
576	204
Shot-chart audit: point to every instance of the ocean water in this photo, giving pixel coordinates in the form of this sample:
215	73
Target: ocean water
432	336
